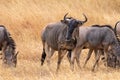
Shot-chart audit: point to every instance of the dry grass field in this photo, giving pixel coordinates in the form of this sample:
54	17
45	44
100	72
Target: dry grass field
26	18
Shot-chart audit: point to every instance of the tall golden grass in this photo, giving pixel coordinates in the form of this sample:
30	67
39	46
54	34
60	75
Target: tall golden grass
26	18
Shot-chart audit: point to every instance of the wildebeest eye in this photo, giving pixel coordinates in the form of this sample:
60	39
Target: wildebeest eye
80	23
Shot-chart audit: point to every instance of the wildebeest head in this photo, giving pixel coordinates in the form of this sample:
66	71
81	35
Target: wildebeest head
111	60
10	57
72	25
116	51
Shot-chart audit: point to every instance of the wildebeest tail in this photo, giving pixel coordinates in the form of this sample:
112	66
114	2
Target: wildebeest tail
43	56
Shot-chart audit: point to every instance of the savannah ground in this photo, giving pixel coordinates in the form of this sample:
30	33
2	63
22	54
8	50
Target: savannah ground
26	18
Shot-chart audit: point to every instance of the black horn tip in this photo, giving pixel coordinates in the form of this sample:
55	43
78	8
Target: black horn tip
65	16
85	18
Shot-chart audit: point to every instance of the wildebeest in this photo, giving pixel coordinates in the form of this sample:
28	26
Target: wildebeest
56	34
7	45
112	59
100	50
95	38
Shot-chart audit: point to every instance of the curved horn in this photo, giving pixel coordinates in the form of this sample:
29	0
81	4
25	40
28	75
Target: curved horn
85	18
116	27
65	16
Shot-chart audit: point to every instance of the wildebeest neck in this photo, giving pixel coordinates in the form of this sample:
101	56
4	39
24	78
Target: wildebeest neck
67	44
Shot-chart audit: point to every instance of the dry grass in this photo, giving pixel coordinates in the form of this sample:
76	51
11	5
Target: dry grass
26	18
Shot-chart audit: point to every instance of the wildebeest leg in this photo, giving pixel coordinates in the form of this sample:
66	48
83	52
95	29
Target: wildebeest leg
72	59
88	56
78	57
69	55
61	54
98	54
1	55
49	51
106	55
74	55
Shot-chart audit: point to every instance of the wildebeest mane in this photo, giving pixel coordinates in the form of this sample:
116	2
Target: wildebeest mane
11	43
96	25
109	26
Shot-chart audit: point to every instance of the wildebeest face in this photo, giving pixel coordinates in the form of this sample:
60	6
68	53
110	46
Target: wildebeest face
72	25
116	52
111	61
10	57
